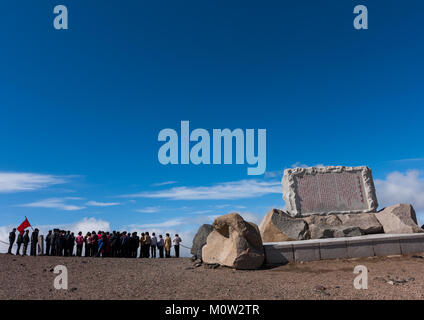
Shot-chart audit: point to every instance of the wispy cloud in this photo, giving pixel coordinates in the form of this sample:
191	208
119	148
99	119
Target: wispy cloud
148	210
224	191
53	203
164	183
102	204
274	174
18	182
166	224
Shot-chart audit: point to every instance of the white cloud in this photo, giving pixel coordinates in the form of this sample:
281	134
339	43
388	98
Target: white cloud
201	211
274	174
53	203
148	210
102	204
401	188
164	183
16	182
166	224
224	191
87	225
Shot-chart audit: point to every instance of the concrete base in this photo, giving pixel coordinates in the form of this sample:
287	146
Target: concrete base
279	253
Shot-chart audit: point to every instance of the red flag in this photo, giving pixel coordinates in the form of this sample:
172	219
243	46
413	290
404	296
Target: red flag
23	225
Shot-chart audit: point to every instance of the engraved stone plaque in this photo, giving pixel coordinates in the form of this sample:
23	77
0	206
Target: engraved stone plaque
325	190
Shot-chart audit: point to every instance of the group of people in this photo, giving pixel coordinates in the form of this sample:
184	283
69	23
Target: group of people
97	244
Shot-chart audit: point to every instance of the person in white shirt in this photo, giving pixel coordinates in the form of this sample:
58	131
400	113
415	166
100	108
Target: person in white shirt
153	245
176	242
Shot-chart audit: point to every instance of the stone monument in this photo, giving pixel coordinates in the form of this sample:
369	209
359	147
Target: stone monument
326	190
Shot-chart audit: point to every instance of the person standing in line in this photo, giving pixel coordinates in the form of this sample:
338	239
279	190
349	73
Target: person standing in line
94	243
168	245
53	242
62	238
34	241
68	240
160	245
26	241
147	244
176	242
80	241
118	244
100	239
71	244
58	245
104	240
19	242
142	239
100	249
48	242
131	244
87	240
113	244
153	245
136	245
107	247
12	237
124	245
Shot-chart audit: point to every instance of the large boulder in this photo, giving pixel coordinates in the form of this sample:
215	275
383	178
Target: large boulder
343	225
279	226
199	240
367	222
400	218
234	243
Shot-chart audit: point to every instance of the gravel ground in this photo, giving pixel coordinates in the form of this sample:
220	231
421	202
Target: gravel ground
397	277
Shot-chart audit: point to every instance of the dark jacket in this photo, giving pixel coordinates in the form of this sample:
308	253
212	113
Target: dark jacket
26	238
20	239
34	237
12	237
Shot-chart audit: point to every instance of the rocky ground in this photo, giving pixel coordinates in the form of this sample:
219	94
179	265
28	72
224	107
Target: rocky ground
397	277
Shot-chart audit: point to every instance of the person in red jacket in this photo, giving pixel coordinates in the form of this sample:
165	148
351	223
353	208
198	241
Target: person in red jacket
80	241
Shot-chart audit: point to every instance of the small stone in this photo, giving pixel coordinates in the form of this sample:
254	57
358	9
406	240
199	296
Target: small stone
319	288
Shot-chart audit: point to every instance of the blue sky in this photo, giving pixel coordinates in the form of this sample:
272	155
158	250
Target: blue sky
81	109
